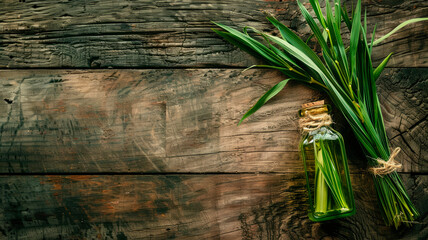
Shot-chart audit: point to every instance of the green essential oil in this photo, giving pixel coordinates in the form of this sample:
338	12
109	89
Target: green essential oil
326	168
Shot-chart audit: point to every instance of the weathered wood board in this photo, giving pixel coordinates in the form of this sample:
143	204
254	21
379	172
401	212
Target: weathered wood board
144	33
151	150
233	206
404	99
179	120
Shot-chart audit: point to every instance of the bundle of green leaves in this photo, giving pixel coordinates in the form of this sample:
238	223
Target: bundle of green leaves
346	74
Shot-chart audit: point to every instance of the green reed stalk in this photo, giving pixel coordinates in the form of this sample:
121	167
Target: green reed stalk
321	188
347	75
328	186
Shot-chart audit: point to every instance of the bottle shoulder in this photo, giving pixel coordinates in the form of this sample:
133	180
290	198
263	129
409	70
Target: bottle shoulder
323	133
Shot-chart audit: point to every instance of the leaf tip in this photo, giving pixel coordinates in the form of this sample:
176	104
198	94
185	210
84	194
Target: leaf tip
240	121
248	68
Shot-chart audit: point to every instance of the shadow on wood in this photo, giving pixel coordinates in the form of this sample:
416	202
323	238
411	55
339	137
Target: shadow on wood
234	206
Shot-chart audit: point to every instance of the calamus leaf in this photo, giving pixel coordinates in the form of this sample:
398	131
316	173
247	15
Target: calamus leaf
379	69
403	24
266	97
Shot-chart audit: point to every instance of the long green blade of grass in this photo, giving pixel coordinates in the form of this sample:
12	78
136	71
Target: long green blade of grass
266	97
400	26
381	66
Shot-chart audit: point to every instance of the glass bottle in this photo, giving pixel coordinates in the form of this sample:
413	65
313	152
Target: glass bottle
326	166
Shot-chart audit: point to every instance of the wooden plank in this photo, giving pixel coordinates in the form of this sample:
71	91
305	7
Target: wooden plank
180	120
81	121
134	34
121	120
234	206
404	98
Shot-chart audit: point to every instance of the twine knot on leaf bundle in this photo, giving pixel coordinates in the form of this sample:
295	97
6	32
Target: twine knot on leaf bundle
386	167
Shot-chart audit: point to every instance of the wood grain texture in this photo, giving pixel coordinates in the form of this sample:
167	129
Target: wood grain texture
237	206
159	149
180	120
134	34
404	98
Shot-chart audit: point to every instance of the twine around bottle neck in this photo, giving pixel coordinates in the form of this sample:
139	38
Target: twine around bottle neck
312	122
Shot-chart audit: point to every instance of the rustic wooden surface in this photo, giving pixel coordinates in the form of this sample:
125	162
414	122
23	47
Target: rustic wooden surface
181	120
233	206
151	150
128	34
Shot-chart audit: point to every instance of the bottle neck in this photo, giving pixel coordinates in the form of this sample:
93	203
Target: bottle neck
316	110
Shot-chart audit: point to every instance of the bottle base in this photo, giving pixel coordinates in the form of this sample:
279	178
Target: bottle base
330	215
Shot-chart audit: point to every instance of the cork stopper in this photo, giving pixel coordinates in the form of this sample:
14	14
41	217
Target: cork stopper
313	104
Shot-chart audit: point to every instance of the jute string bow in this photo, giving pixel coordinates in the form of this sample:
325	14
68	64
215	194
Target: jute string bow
313	122
387	167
